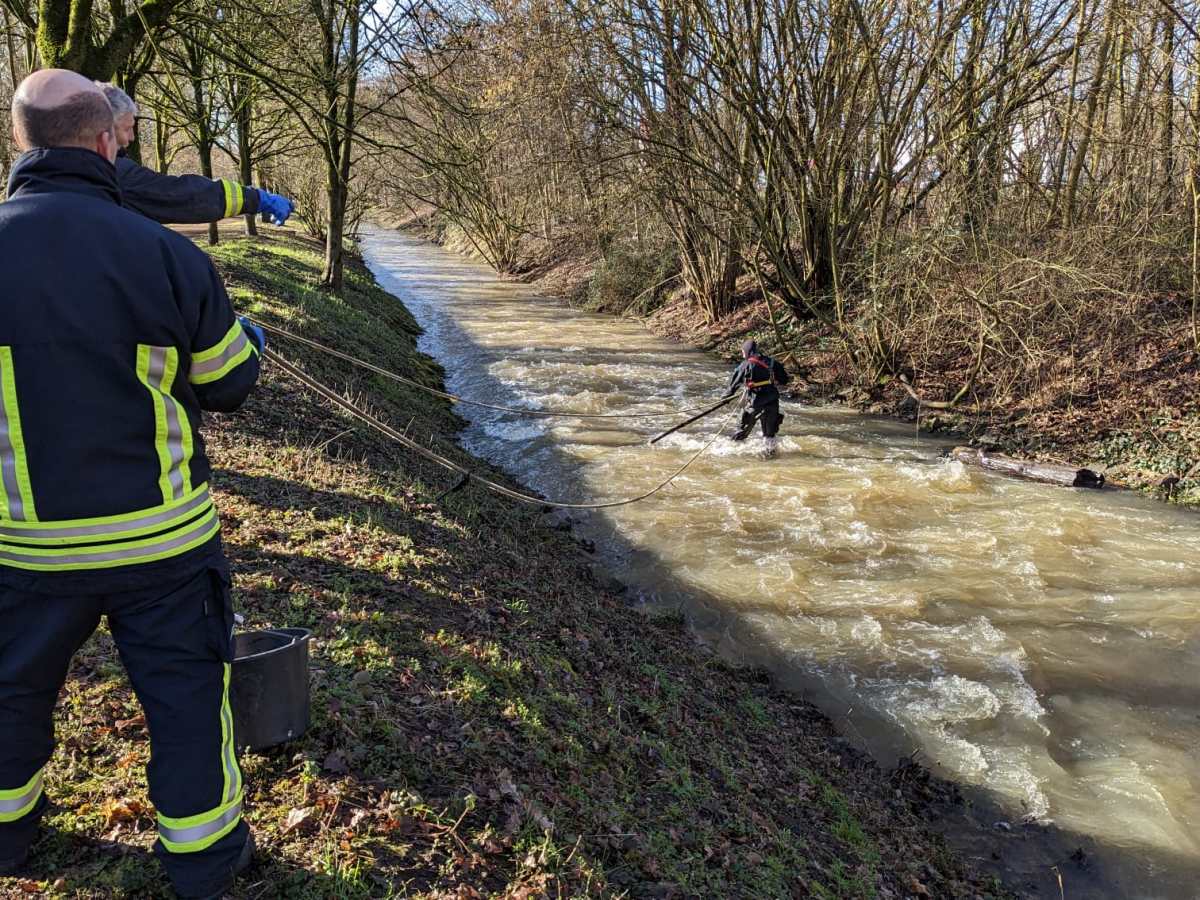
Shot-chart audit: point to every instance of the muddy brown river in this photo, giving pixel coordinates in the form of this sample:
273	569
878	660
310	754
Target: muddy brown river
1039	645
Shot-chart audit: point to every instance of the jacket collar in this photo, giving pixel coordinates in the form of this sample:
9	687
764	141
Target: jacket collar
64	169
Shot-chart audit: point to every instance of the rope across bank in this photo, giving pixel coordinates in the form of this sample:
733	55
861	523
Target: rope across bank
455	398
383	428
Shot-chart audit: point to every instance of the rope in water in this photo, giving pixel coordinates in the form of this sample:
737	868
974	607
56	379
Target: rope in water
455	398
400	438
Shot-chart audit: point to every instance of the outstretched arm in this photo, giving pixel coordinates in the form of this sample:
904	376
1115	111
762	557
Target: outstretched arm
193	199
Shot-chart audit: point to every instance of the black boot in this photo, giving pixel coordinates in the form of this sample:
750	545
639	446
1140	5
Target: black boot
747	426
28	833
13	866
242	864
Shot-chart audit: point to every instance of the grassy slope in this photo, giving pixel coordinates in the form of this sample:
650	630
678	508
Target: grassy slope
487	720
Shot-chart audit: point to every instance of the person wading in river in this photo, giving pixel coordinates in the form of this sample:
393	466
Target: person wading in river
759	376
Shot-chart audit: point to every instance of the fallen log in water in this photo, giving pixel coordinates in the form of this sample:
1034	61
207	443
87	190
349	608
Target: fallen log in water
1051	473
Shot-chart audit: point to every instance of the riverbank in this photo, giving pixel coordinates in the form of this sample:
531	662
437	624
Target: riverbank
1122	401
489	717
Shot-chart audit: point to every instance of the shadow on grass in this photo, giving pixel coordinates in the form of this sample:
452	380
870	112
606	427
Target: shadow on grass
75	865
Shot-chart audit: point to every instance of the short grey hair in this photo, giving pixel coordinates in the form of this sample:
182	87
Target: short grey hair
122	104
73	123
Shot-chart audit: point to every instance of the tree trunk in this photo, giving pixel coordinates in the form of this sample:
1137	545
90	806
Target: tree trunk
206	169
65	36
1167	138
1093	102
1060	167
204	138
340	124
331	277
1049	473
13	70
162	148
245	118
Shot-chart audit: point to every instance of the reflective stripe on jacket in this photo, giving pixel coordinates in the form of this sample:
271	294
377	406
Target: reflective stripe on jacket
114	335
182	199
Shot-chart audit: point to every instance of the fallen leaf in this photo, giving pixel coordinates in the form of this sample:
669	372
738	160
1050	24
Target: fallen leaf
515	819
124	725
535	812
336	763
403	824
128	760
504	780
297	818
118	811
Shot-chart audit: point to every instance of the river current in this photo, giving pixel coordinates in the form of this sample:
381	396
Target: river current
1039	644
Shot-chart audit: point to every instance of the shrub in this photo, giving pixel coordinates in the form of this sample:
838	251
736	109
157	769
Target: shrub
631	279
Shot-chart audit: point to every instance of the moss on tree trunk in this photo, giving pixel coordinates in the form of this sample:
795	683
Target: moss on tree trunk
66	36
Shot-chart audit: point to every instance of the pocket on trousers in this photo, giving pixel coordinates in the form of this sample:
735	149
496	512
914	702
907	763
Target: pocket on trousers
218	610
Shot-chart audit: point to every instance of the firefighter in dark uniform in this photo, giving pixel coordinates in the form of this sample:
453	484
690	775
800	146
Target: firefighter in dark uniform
114	335
760	377
181	199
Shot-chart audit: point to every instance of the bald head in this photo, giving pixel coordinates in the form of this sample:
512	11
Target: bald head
58	108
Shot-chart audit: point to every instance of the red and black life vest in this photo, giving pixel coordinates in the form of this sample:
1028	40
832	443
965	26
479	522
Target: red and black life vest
760	364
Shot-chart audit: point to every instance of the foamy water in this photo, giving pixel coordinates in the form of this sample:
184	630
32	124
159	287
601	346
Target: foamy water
1041	643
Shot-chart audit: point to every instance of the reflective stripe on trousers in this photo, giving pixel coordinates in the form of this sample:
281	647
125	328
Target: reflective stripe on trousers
15	490
156	369
19	802
194	833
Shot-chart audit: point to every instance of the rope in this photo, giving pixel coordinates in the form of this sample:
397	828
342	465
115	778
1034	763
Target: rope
365	417
454	398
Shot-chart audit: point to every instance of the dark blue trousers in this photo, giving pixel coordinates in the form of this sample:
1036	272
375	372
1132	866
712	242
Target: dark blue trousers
174	639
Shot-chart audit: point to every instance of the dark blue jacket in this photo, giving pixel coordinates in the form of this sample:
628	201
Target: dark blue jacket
761	376
182	199
114	334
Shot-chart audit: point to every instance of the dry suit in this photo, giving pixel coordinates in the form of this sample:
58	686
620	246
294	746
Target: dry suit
182	199
759	375
115	335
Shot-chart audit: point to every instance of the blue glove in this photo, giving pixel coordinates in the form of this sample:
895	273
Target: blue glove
274	206
257	338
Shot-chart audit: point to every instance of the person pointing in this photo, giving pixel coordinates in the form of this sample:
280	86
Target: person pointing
181	199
